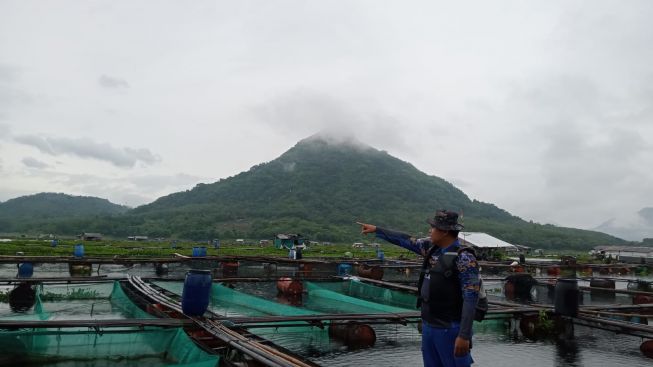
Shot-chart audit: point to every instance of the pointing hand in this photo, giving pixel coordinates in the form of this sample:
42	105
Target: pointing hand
367	228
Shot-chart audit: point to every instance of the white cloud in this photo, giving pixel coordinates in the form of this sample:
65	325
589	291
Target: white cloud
112	82
34	163
87	148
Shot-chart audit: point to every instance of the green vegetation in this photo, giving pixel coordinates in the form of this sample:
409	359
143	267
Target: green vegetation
75	294
318	190
164	249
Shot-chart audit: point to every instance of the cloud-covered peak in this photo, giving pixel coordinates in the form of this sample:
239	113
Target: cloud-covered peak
630	226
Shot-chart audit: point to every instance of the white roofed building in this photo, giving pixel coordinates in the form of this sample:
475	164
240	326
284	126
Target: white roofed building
484	244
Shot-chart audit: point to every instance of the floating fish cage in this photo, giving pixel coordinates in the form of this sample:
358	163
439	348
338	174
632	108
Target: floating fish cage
267	312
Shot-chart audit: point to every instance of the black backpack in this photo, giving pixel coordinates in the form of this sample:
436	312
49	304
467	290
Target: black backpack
448	262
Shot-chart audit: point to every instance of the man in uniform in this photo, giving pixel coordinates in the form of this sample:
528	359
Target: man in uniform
448	289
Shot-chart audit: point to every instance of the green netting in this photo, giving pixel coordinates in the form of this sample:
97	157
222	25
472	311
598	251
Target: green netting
326	300
229	302
81	301
122	302
43	347
227	296
373	293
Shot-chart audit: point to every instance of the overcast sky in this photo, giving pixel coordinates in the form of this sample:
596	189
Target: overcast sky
544	108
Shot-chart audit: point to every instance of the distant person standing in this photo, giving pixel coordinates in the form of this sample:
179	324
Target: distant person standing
448	289
298	250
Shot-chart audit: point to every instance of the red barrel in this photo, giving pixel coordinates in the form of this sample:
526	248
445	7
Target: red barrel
553	270
353	334
647	348
641	299
289	286
371	272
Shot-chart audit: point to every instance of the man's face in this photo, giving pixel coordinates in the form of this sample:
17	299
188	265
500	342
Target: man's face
436	234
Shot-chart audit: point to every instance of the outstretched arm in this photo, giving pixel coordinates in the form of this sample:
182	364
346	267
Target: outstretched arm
396	238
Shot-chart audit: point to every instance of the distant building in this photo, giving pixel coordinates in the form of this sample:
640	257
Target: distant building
87	236
627	254
283	240
485	245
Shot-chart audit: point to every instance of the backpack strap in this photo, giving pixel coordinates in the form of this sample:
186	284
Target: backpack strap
423	272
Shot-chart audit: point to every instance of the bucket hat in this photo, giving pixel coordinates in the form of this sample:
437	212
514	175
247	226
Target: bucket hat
445	220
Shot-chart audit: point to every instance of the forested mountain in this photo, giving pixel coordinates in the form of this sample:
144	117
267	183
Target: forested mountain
320	188
41	209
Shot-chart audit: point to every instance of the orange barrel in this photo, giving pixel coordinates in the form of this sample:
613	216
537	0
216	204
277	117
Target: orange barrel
647	348
353	334
289	286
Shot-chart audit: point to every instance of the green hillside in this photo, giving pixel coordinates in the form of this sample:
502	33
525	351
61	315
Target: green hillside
320	189
40	210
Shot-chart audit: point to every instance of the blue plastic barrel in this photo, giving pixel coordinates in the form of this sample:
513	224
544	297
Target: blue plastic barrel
78	251
197	289
54	243
199	251
344	269
25	270
380	255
